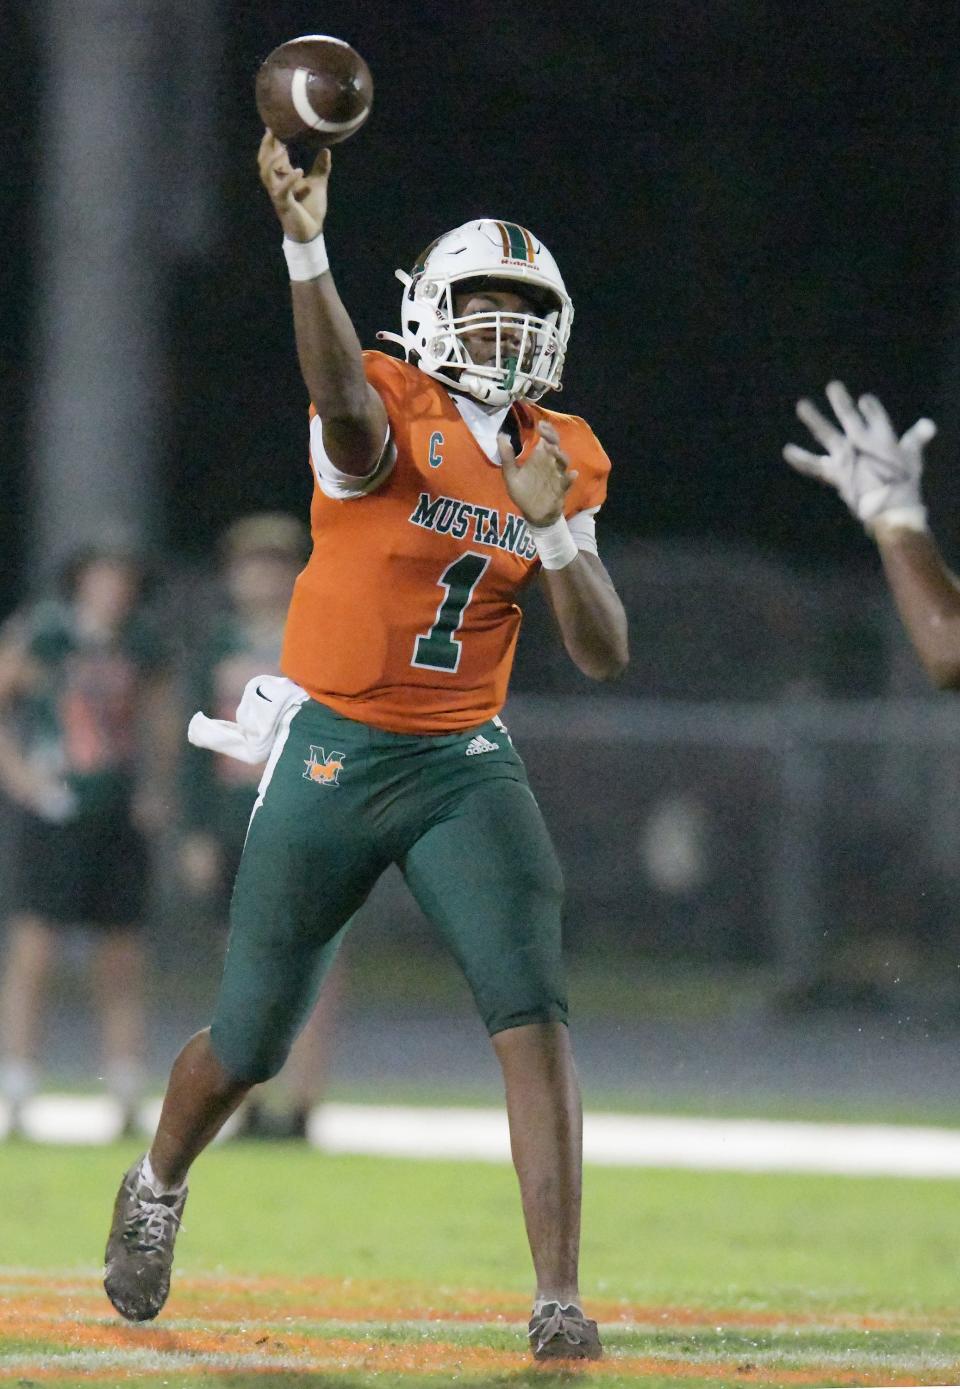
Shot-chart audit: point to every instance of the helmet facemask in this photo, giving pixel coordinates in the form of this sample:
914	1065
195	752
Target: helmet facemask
528	348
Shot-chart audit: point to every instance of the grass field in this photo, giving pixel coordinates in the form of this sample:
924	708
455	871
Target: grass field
296	1268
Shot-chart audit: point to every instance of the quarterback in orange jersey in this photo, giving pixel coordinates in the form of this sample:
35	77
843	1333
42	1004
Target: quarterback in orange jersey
436	520
442	488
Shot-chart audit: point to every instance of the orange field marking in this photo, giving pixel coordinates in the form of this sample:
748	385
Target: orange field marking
71	1313
331	1299
432	1358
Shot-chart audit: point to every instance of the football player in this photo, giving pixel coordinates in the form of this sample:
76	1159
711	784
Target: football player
442	489
86	756
878	475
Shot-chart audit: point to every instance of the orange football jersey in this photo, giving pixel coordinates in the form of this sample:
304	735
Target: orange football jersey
406	614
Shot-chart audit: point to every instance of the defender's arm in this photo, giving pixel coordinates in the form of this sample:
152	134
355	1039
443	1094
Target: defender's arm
927	596
878	475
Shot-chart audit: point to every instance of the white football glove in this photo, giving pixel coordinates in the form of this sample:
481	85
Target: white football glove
876	474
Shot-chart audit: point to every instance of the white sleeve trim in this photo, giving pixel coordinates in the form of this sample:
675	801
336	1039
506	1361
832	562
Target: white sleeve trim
583	528
344	487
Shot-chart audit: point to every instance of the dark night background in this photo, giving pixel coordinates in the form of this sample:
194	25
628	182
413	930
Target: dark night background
744	198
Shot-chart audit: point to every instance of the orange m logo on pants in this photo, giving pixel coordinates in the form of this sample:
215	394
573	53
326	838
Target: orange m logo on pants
323	767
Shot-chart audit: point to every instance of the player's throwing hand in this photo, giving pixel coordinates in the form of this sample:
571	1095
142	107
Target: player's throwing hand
876	473
538	486
299	200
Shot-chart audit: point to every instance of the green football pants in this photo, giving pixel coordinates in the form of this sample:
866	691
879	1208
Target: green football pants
341	801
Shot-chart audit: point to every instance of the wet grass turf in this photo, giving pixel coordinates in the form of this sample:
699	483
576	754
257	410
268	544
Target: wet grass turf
297	1268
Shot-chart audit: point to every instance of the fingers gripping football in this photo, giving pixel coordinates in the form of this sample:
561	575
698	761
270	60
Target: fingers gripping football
299	199
876	473
539	485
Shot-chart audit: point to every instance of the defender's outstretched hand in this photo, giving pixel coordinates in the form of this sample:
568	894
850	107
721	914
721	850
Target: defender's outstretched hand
876	474
299	200
539	486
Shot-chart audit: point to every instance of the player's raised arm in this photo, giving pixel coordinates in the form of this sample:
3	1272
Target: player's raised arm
352	413
878	475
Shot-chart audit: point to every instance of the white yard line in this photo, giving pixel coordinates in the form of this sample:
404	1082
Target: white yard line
624	1140
639	1140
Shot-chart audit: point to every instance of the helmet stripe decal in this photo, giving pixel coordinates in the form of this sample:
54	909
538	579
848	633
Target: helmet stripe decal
520	246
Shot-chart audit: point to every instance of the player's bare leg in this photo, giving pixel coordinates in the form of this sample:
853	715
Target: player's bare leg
118	983
546	1129
200	1096
546	1123
31	944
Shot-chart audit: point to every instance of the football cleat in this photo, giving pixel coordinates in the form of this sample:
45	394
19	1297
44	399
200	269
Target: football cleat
563	1333
139	1253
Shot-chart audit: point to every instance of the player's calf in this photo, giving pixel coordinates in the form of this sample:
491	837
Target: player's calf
139	1253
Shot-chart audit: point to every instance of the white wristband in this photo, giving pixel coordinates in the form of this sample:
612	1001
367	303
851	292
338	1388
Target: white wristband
907	518
555	544
306	259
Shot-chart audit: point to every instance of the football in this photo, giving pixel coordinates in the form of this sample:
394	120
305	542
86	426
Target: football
314	88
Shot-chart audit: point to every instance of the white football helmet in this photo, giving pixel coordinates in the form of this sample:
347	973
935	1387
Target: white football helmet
527	349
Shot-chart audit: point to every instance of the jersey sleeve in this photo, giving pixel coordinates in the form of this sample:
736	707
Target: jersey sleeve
589	491
587	455
345	487
381	371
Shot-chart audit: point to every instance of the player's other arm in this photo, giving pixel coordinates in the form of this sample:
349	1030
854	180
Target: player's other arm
878	476
353	415
590	616
580	592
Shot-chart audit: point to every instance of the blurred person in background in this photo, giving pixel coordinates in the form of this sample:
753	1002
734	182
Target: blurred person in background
86	738
260	558
878	475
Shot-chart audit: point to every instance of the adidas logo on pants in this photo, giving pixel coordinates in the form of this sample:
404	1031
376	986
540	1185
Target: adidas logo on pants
481	744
